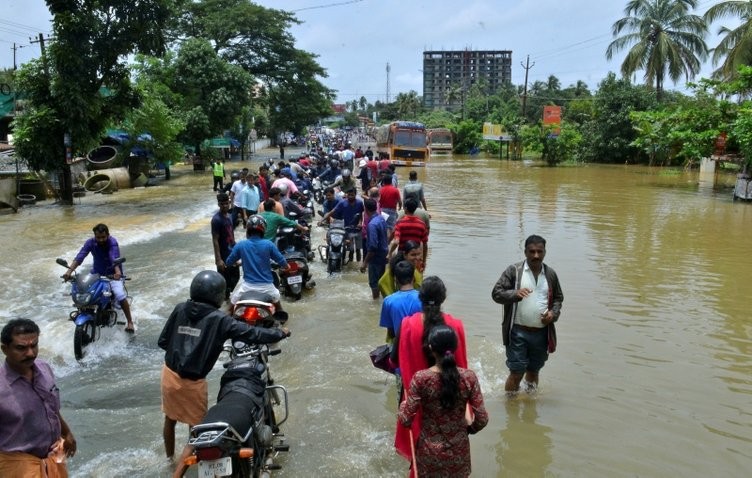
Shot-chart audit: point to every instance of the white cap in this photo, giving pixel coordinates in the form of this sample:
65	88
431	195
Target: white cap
362	163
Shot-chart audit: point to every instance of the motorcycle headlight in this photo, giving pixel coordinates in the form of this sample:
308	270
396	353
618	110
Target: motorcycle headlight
84	298
336	240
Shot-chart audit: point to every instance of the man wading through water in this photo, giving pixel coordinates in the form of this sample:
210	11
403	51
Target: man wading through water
532	297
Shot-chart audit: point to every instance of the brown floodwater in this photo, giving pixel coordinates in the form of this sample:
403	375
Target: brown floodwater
651	377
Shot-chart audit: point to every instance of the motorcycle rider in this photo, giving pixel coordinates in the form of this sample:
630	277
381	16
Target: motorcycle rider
105	249
274	220
193	339
289	204
351	210
345	181
256	254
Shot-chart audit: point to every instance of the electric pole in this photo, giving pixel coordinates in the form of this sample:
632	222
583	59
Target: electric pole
527	67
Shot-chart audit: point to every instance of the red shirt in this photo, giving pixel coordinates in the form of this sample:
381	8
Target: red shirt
389	197
384	164
410	228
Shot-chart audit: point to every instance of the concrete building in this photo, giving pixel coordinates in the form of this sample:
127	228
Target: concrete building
448	75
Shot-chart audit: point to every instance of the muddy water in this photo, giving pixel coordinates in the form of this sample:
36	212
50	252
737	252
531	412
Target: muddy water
652	375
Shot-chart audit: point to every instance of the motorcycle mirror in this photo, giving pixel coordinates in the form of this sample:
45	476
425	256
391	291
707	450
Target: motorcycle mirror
321	212
62	262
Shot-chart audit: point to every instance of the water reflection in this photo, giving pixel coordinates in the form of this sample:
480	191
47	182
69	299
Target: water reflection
525	445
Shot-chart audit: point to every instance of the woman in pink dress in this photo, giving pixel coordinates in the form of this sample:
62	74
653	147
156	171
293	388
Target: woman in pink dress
411	352
443	393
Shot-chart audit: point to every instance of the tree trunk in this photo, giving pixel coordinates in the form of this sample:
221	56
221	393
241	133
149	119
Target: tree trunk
66	185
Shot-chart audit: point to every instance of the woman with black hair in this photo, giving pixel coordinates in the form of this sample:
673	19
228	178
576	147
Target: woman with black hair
442	393
413	253
411	352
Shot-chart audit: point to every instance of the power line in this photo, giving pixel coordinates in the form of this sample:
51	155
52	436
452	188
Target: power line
19	25
328	5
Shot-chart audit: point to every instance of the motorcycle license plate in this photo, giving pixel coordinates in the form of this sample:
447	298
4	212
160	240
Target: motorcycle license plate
213	468
295	279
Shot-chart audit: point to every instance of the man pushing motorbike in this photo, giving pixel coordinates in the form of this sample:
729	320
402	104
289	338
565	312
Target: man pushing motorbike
105	250
193	338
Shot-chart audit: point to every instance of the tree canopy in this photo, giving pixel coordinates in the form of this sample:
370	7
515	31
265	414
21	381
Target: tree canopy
664	39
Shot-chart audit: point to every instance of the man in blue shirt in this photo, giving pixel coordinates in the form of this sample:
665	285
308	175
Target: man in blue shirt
256	254
350	209
376	248
105	250
402	303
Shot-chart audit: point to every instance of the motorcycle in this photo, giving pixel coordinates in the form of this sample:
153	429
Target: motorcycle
333	252
296	249
239	436
95	304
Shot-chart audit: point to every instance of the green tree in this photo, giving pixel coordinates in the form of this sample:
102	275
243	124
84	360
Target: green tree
467	135
735	46
608	134
299	100
408	105
666	40
161	125
258	40
363	103
65	90
553	85
208	92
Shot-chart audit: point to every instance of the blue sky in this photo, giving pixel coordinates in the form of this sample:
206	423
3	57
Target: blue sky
354	39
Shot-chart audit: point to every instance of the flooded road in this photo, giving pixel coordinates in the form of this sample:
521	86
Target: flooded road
651	377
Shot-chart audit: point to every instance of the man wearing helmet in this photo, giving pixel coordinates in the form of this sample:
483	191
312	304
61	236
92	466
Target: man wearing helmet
192	339
256	254
345	181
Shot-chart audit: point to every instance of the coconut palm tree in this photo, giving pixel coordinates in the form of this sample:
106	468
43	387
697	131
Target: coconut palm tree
408	105
553	84
664	40
735	47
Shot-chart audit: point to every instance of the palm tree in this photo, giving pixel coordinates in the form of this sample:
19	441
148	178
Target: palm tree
666	40
553	84
452	95
408	105
735	48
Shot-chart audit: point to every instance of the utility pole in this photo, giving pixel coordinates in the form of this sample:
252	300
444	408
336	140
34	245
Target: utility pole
40	40
527	67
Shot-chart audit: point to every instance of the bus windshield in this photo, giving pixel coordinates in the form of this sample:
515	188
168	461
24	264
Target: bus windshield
410	138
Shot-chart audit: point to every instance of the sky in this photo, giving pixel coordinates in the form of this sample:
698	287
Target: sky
355	39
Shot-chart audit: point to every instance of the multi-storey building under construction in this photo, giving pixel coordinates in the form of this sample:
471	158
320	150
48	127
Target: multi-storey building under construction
448	75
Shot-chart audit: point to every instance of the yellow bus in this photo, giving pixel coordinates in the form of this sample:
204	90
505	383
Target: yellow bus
403	143
439	141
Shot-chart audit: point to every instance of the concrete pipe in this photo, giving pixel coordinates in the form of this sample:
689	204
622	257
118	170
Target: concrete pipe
120	177
102	157
99	183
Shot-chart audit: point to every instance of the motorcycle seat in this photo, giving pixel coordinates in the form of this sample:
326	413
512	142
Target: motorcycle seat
236	409
254	296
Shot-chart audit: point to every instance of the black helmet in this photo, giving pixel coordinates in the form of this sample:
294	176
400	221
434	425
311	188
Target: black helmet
256	223
208	287
235	175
